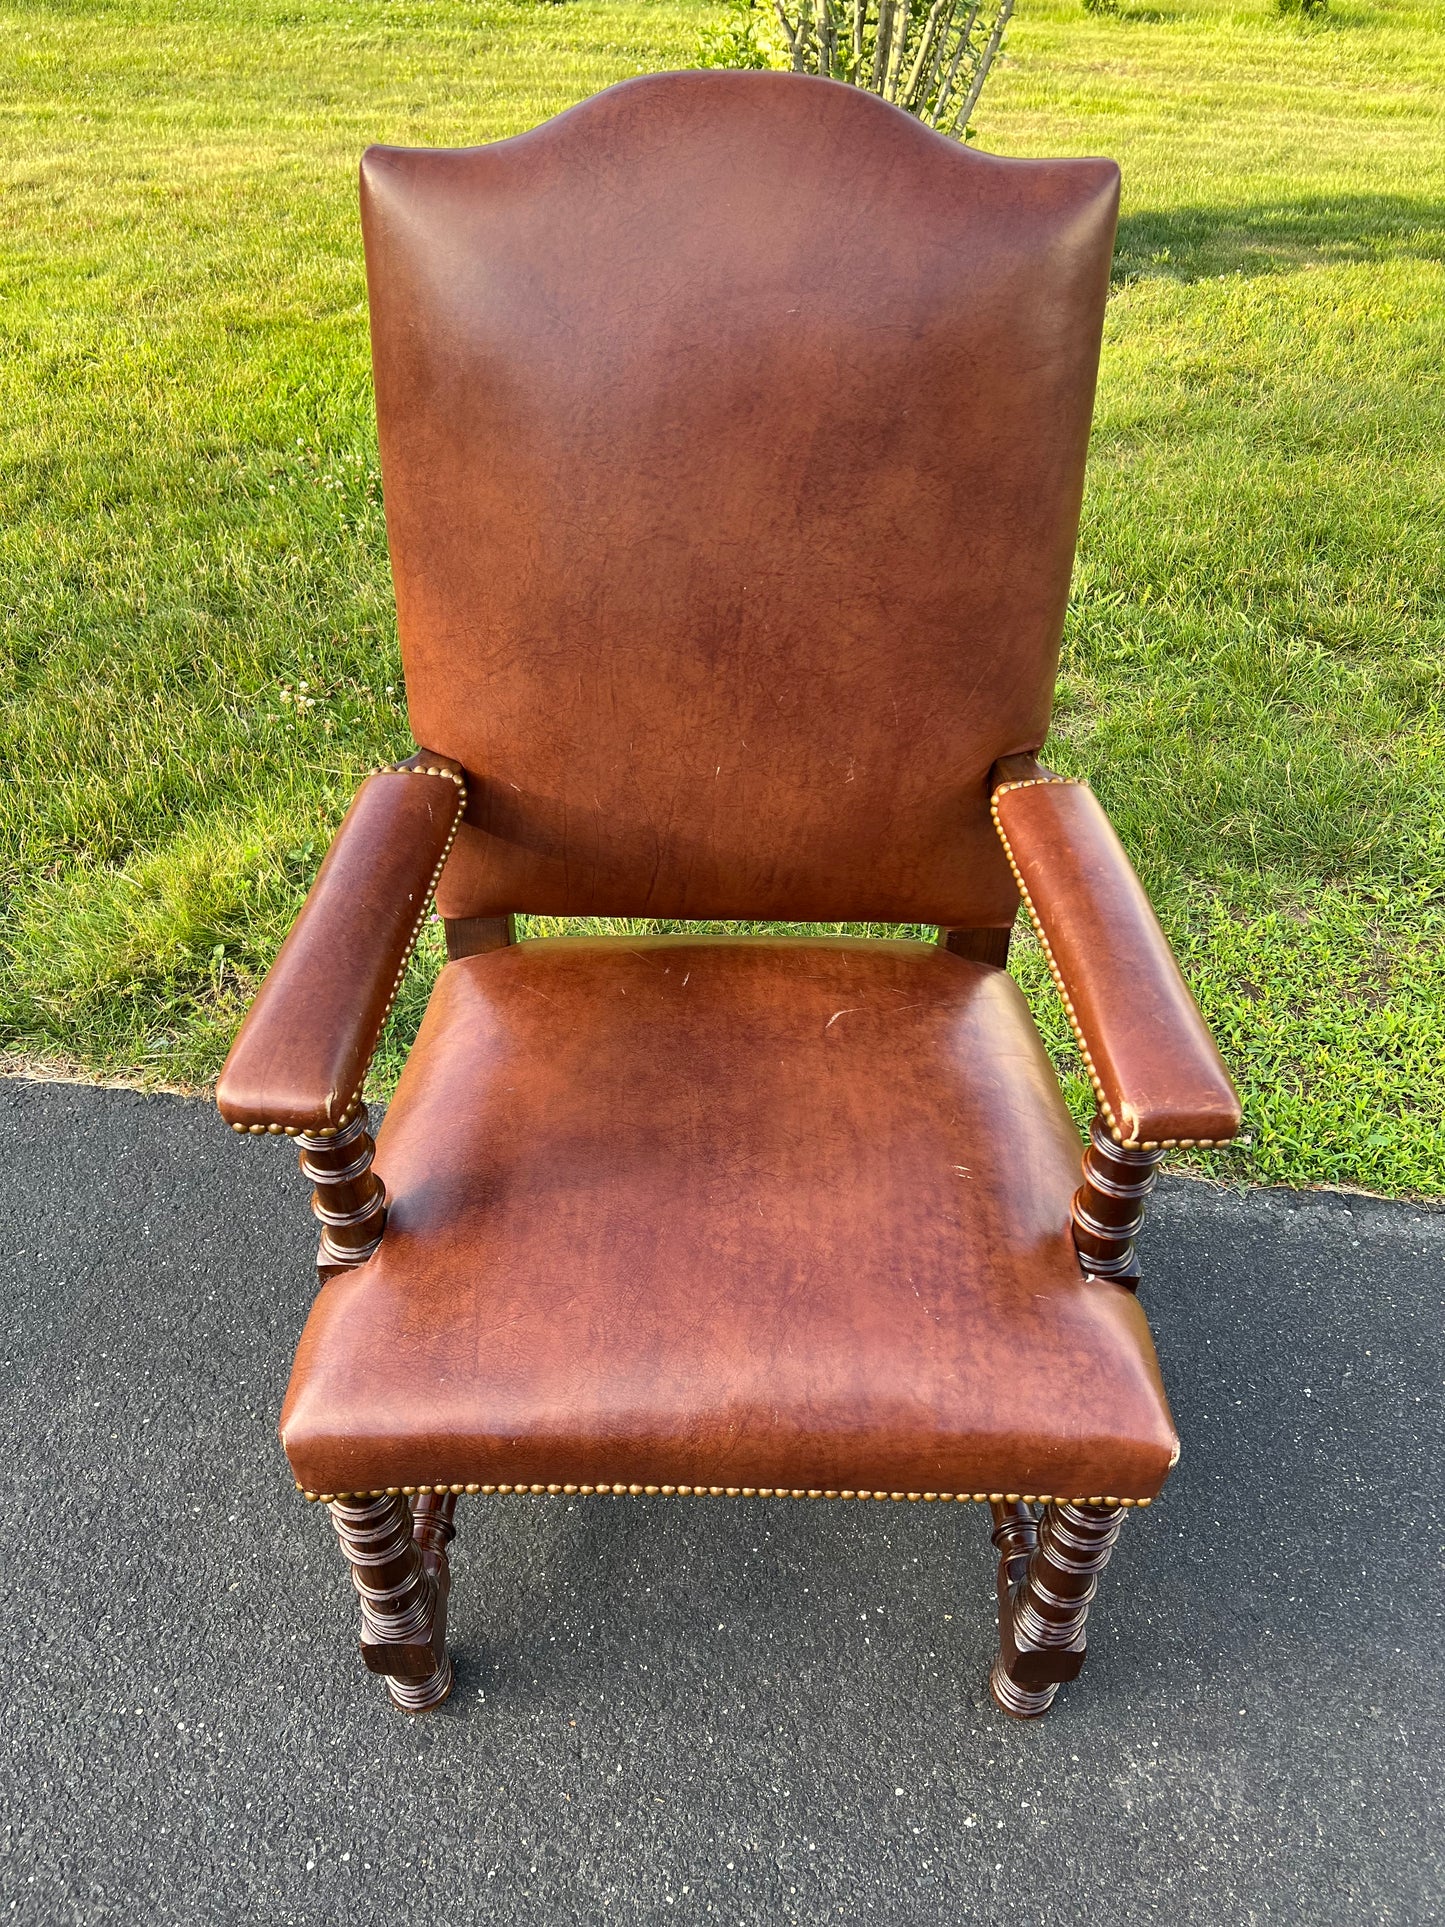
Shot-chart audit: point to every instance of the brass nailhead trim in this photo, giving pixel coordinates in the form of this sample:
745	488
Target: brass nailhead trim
1105	1108
332	1130
621	1491
406	769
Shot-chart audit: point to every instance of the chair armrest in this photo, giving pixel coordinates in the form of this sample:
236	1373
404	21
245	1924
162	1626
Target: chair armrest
1155	1071
301	1055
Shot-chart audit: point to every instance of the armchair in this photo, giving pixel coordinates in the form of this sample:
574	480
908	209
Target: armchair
731	542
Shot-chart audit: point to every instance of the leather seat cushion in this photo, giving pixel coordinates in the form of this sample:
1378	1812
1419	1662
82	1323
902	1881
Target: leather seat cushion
747	1212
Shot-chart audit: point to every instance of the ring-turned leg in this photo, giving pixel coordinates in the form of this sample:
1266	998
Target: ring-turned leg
399	1568
1048	1574
1049	1567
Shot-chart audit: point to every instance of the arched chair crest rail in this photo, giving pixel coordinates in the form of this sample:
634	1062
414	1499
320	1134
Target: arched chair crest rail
733	431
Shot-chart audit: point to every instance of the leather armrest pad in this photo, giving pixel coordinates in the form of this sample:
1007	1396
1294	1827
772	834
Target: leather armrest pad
1155	1070
301	1055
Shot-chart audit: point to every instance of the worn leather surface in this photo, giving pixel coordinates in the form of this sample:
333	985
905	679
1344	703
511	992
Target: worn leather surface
302	1052
740	1212
1160	1073
732	432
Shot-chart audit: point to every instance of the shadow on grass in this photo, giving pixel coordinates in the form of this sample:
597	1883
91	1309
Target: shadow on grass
1199	243
1326	18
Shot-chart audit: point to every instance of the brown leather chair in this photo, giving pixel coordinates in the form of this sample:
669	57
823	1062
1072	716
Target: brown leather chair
733	432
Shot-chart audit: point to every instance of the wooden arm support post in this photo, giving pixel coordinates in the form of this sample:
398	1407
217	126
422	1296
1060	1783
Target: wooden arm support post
1108	1207
349	1199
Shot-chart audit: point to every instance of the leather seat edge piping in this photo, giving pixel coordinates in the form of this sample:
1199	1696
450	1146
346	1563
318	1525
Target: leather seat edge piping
713	1491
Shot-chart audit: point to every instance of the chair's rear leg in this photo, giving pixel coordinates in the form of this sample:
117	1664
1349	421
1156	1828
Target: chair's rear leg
432	1516
1015	1533
399	1568
1044	1593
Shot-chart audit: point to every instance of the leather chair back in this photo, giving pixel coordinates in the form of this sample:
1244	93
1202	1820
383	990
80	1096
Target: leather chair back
732	433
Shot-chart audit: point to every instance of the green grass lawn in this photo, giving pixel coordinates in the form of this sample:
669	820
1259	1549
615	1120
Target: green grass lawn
192	520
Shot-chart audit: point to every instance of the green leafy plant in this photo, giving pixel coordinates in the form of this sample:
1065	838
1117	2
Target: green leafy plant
748	36
930	57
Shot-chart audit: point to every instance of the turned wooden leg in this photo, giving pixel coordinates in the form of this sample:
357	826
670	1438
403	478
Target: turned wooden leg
432	1517
1049	1567
399	1568
1015	1533
349	1200
1108	1206
1048	1574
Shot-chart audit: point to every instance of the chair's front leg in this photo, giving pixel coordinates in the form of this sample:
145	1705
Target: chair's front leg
399	1568
397	1552
1042	1614
1049	1569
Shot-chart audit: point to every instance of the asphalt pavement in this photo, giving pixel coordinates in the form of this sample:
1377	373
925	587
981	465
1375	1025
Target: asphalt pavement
742	1711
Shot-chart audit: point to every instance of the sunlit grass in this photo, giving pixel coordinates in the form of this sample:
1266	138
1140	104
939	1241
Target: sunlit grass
192	521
